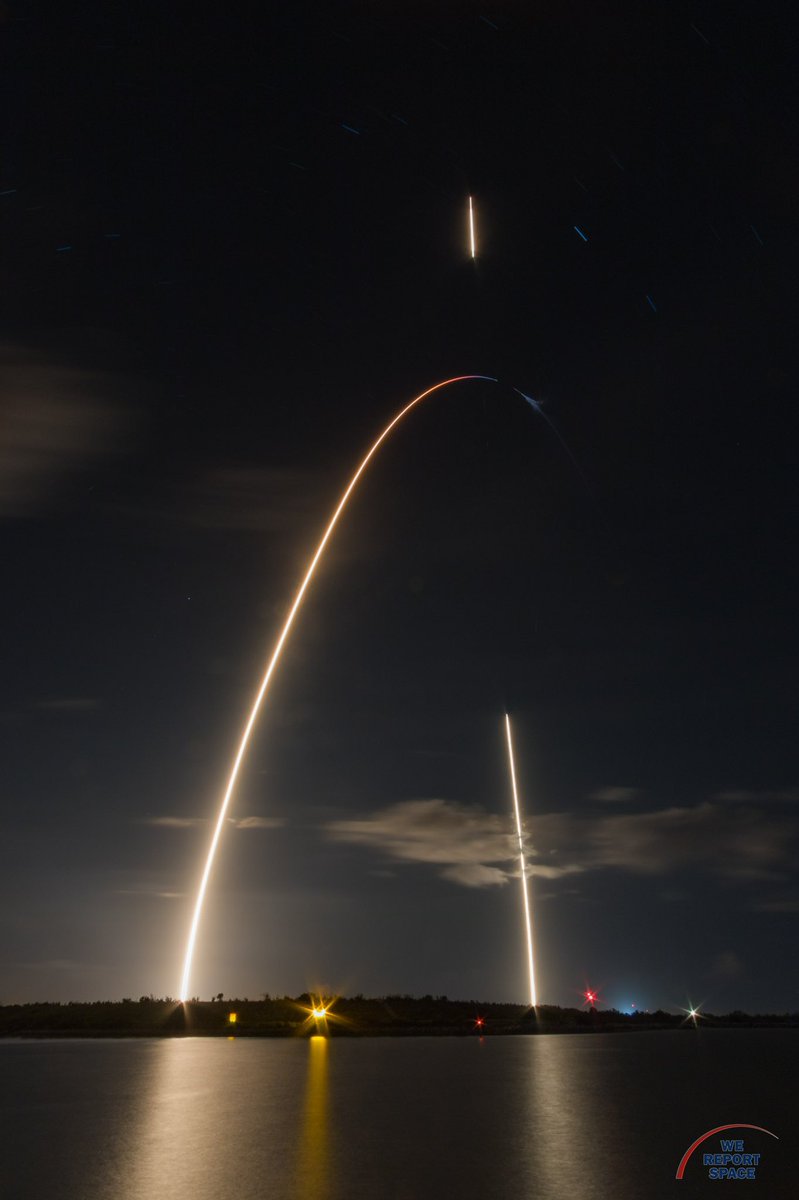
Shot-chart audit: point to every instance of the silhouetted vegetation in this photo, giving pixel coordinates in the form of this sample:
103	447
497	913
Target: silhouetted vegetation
354	1016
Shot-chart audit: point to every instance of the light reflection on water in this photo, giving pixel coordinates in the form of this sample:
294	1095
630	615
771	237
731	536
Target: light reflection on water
557	1156
553	1118
312	1173
222	1119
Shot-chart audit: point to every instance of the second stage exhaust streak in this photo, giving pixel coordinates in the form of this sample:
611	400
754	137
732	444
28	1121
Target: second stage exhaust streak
275	658
528	923
472	244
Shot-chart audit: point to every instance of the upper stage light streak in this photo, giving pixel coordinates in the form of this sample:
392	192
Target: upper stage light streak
275	658
472	242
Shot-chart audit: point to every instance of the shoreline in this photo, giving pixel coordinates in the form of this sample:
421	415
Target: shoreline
354	1017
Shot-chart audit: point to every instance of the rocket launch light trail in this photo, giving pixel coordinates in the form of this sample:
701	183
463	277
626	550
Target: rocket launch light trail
533	1000
275	658
471	229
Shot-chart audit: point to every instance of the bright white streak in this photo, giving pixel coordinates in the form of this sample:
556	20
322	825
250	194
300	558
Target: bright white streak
533	1001
471	228
273	661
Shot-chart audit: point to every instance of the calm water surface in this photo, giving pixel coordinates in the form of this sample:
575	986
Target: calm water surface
561	1117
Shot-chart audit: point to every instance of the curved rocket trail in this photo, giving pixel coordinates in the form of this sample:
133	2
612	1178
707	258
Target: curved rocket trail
275	658
533	1000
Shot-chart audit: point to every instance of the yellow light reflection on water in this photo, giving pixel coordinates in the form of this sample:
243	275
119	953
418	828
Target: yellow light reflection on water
312	1174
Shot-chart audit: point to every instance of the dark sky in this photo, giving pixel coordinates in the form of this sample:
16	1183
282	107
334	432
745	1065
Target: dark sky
231	249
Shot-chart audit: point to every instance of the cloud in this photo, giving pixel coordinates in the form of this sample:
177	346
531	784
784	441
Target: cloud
467	842
736	843
742	796
433	831
54	420
175	822
170	822
475	875
149	893
543	871
539	896
259	822
614	795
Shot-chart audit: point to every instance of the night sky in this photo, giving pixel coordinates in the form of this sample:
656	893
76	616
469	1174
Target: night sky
231	249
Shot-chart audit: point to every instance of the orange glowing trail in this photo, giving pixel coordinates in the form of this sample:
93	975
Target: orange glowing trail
533	1000
273	661
472	243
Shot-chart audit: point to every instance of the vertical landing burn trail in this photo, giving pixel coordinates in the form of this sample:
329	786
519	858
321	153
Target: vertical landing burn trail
522	864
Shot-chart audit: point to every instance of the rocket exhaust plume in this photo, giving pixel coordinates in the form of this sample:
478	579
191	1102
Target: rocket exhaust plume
275	658
472	244
525	895
536	407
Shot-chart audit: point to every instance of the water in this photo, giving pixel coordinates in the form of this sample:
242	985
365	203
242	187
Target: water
551	1117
